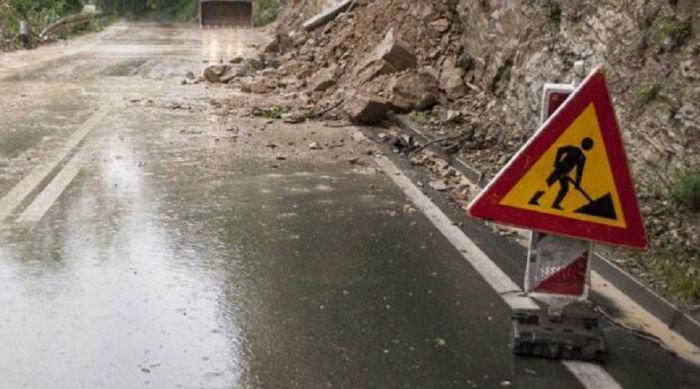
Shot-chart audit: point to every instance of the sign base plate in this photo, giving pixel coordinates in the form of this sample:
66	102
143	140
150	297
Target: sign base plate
572	335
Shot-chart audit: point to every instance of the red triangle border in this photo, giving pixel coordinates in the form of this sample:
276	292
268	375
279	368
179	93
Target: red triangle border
593	90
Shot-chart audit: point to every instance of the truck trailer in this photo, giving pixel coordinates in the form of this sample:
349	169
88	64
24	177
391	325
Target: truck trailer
225	13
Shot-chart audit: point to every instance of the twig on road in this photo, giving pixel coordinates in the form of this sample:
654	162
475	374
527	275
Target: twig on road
440	140
314	115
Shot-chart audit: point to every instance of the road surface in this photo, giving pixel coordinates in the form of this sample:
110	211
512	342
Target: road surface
155	235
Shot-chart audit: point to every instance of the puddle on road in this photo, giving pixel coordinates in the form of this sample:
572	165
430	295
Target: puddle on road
124	68
149	271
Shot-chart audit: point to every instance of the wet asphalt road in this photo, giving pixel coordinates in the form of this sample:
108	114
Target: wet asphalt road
197	247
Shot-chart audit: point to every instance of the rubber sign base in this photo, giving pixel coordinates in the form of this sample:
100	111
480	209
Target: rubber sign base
573	334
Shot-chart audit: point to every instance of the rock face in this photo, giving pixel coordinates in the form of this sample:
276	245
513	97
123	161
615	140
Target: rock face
414	91
365	108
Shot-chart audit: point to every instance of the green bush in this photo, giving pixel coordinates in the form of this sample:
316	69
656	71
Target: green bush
552	11
418	117
685	189
672	32
678	268
266	12
38	13
648	92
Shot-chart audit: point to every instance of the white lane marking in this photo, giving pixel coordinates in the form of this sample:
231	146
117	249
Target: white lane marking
590	375
41	204
29	184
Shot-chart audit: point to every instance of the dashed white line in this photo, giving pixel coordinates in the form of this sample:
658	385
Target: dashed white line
41	204
19	193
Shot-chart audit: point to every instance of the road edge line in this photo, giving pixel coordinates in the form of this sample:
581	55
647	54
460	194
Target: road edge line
590	375
680	322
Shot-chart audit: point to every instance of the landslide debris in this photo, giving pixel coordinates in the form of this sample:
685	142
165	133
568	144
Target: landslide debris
472	72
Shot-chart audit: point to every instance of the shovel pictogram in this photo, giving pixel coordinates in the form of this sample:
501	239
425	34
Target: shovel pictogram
600	207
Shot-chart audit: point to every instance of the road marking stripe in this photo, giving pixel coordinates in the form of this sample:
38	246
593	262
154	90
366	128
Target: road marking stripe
589	374
41	204
19	193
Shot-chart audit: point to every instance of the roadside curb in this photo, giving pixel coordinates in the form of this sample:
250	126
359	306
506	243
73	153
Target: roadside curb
662	309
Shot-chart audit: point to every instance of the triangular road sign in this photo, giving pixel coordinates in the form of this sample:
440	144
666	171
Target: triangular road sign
571	178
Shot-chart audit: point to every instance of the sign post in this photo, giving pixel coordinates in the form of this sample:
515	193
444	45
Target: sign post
570	183
558	268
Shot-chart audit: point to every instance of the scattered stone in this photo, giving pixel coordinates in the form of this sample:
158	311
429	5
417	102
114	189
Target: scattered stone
190	76
453	116
294	117
439	185
314	146
451	78
280	158
353	160
414	91
258	87
213	73
236	60
409	209
271	47
440	25
324	79
365	108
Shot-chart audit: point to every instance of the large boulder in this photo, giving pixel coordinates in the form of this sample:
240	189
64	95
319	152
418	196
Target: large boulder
389	56
414	91
365	108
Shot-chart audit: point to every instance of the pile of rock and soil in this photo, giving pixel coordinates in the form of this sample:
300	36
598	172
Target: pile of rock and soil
472	72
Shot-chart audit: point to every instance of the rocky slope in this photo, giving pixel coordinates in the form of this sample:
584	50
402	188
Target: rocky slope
477	68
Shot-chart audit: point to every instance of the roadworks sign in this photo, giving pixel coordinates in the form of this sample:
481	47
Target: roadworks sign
572	177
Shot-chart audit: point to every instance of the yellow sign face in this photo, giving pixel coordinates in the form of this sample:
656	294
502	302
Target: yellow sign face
573	178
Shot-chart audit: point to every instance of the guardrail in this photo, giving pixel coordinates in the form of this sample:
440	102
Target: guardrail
68	22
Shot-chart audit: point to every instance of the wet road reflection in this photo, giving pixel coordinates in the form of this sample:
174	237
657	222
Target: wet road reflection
149	272
186	254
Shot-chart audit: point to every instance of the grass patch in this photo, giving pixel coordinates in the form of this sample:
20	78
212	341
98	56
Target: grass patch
271	112
679	269
648	93
418	117
685	189
266	12
673	33
552	10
